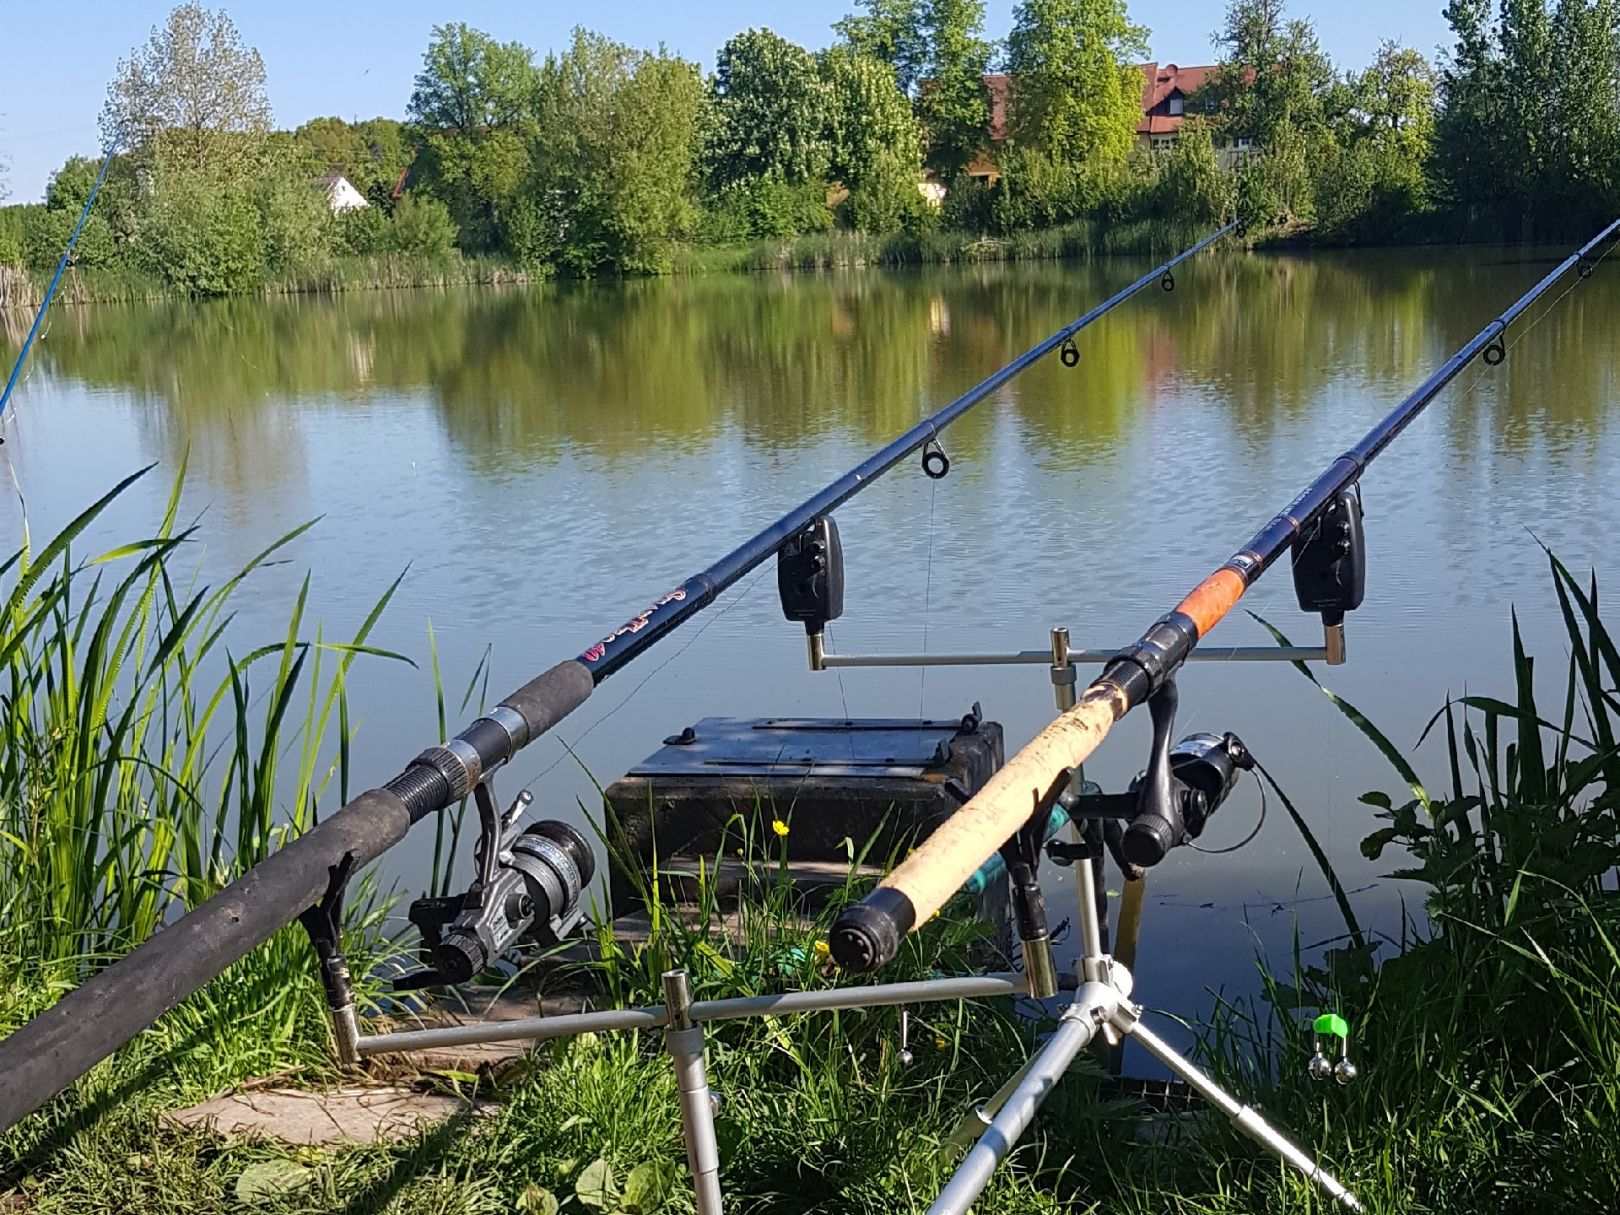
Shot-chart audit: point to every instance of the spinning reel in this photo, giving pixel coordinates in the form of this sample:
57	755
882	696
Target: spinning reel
529	885
1165	807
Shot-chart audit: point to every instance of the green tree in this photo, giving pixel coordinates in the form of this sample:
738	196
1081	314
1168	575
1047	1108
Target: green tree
875	150
473	101
1584	157
890	31
1469	132
1274	85
769	112
1394	101
469	82
49	229
952	103
193	97
294	218
1075	96
1526	37
618	133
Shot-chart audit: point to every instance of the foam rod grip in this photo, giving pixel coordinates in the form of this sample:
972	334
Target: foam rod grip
867	934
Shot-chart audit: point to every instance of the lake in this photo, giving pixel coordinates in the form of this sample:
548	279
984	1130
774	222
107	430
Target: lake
541	463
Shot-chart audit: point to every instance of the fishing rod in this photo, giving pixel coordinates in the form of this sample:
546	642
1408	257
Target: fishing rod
50	291
1321	525
47	1054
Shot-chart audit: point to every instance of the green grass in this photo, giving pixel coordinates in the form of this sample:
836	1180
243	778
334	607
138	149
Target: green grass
1488	1035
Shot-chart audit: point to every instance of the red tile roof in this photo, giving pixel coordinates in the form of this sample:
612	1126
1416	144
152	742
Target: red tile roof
1159	85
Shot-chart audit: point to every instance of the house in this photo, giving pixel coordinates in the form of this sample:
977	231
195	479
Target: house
1165	94
341	196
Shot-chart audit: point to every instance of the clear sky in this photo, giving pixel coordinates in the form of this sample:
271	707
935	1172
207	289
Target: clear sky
356	60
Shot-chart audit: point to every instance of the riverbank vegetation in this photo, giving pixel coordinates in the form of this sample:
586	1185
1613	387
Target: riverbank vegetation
151	754
891	145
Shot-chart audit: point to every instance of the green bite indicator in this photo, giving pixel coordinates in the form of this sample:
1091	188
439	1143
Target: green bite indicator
1331	1025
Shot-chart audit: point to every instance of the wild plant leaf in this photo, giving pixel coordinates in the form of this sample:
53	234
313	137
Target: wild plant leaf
1490	704
537	1200
648	1187
595	1188
29	571
267	1180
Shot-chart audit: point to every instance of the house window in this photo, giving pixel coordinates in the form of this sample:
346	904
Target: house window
1163	143
1178	106
1244	143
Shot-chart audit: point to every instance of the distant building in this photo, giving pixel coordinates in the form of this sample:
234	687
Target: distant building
1165	94
341	195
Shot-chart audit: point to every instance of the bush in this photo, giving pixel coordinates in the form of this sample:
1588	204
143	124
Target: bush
203	237
360	231
768	208
420	225
1191	184
49	229
297	222
967	205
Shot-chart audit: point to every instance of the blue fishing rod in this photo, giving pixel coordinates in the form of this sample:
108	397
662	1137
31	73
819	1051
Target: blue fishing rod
56	279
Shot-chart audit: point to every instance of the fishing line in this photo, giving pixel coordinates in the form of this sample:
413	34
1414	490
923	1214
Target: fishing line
568	747
928	587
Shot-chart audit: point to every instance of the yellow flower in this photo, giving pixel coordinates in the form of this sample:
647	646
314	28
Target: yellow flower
778	826
822	949
940	1044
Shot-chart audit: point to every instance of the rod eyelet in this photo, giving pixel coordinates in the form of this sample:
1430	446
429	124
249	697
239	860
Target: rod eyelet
1585	268
1069	355
1495	352
935	463
1168	282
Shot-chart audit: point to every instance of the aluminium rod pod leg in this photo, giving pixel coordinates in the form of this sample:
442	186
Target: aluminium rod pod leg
684	1041
1126	1018
1088	1016
1064	679
324	924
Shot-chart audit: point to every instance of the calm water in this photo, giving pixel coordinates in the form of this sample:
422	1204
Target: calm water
546	462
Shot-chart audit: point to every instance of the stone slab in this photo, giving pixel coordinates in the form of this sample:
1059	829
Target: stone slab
352	1114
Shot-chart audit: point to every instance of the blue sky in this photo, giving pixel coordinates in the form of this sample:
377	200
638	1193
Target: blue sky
356	60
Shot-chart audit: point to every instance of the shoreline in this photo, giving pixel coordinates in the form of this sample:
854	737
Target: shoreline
21	289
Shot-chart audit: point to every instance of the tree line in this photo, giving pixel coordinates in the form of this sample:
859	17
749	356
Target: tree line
602	157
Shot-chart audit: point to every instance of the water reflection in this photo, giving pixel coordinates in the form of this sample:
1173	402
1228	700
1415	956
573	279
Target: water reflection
524	375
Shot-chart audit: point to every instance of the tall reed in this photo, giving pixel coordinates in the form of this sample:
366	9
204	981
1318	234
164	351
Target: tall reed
145	758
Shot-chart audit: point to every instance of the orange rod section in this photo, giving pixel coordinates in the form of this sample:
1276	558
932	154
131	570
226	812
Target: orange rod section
1211	599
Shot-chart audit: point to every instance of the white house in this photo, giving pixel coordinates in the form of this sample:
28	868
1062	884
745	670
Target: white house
341	196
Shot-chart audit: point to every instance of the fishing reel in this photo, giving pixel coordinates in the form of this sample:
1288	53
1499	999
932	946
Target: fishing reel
1168	805
529	886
